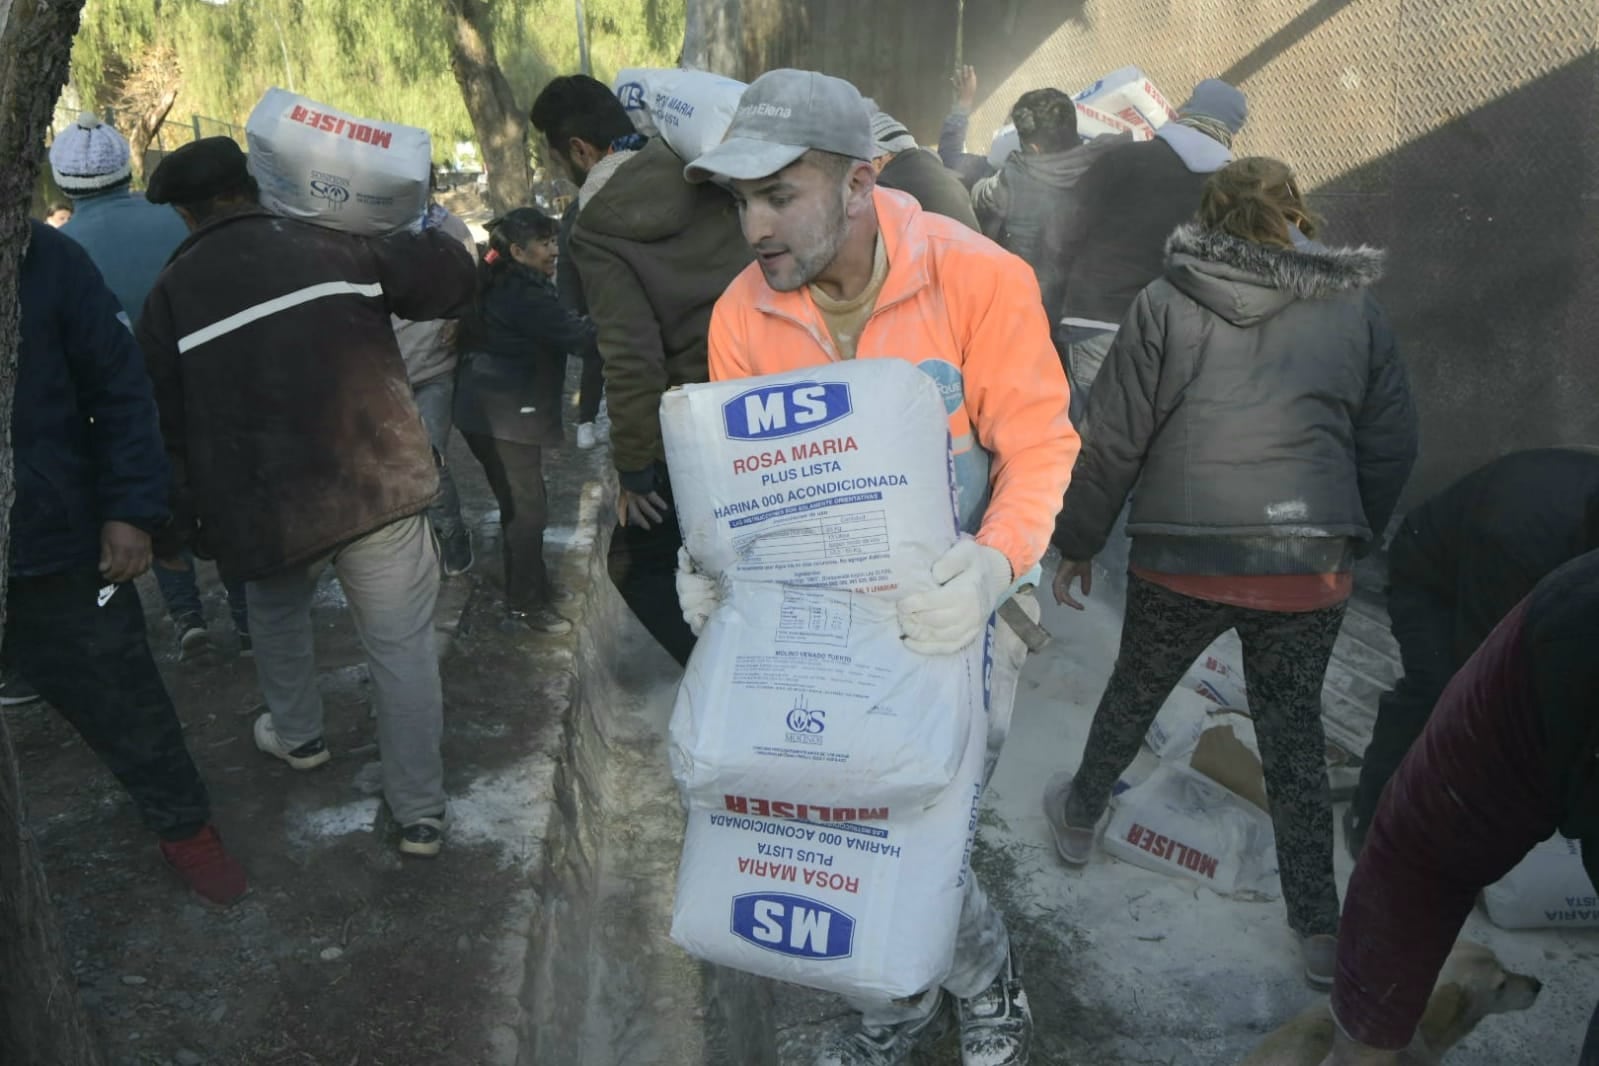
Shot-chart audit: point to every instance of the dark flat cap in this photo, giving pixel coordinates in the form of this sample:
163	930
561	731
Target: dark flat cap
197	172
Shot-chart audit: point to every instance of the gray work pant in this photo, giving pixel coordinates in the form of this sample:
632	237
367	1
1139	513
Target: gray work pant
435	399
391	580
981	942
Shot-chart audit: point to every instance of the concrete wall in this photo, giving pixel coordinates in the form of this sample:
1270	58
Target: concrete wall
1459	134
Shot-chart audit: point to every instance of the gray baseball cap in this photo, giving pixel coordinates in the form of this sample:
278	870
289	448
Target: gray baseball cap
780	117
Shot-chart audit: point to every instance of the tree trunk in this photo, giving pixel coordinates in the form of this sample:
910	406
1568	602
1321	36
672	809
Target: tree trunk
500	124
145	131
712	37
41	1018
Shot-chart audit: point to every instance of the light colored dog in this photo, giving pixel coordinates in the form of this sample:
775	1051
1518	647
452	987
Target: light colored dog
1472	985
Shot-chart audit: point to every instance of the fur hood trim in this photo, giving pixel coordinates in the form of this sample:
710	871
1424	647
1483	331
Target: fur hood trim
1307	273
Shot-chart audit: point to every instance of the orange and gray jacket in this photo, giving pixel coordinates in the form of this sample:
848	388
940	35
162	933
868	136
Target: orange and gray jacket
968	314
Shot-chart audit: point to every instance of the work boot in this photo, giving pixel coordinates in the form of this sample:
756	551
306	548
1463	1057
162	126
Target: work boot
424	837
886	1045
1075	843
205	867
1320	953
996	1024
307	756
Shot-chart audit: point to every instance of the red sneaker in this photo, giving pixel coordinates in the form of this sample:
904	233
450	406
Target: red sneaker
211	872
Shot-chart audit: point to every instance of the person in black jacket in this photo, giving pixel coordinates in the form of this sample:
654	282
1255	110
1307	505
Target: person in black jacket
1128	203
508	400
91	489
1457	565
296	445
902	165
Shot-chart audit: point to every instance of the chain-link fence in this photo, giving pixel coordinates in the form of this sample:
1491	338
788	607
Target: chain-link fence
176	132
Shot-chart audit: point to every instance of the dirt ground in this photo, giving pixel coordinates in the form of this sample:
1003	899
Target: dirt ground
342	954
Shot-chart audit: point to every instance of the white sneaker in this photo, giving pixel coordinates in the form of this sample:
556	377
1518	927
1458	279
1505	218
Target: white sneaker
888	1046
586	437
424	837
996	1024
307	756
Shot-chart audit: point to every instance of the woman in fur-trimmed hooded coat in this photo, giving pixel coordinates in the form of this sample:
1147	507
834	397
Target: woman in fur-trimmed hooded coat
1255	397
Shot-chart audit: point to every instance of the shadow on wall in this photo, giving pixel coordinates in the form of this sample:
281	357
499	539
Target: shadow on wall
901	52
1461	140
1493	273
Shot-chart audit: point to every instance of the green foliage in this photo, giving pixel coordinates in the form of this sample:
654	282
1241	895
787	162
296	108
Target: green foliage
388	59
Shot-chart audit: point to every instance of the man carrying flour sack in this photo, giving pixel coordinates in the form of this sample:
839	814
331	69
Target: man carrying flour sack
846	270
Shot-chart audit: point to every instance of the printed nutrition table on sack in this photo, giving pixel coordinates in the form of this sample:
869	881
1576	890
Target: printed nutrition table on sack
817	538
814	616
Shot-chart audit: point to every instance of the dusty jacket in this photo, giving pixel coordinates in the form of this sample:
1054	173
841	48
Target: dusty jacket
1256	396
968	314
654	253
1129	203
1032	204
515	347
87	447
936	187
428	348
284	402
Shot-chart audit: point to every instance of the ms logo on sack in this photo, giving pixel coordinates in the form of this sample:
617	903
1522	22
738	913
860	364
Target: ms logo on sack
784	410
793	925
631	94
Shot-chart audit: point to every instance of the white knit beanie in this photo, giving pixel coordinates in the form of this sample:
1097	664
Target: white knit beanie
89	155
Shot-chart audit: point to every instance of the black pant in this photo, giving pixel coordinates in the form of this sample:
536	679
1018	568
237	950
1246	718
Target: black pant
93	665
516	474
1285	664
591	387
643	565
1423	623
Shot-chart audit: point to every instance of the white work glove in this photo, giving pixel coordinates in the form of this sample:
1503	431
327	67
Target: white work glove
972	578
697	594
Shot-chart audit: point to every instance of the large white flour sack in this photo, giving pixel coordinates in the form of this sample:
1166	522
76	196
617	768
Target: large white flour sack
809	695
837	477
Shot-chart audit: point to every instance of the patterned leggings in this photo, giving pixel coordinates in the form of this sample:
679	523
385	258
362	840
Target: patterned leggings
1285	663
